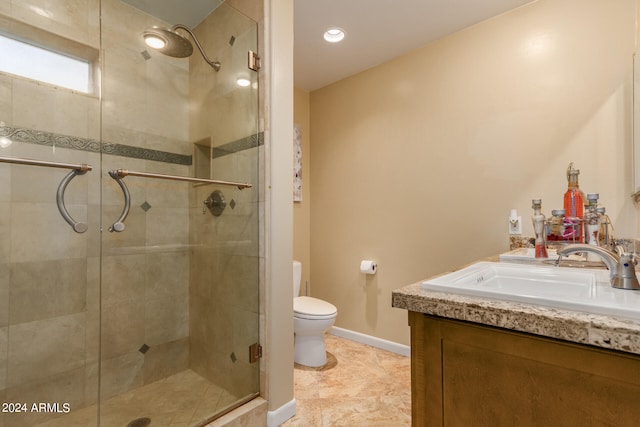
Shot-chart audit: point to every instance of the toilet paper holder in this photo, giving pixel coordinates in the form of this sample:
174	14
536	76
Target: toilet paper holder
368	266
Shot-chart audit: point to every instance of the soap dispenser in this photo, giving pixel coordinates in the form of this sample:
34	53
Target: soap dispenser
539	228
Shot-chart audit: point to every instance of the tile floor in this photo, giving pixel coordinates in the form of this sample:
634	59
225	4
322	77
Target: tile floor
181	400
360	386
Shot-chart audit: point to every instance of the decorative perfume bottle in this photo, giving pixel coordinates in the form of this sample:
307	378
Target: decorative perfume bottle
556	229
592	220
605	236
574	203
592	225
539	228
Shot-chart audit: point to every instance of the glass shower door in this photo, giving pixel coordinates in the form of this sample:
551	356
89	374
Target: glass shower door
155	321
49	260
180	248
49	281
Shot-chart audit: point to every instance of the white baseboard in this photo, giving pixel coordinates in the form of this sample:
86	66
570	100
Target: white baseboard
282	414
391	346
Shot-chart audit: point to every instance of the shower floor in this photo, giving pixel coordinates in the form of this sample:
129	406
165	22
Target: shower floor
181	400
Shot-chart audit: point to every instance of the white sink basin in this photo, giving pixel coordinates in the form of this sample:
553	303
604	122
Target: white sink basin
578	289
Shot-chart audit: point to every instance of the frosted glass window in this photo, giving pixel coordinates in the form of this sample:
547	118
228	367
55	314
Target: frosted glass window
27	60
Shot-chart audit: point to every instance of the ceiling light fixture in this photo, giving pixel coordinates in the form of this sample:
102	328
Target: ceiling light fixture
243	81
334	35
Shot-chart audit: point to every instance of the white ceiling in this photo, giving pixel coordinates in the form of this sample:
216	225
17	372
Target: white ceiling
187	12
377	30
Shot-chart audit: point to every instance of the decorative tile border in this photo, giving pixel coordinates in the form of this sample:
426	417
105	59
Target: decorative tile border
49	139
146	154
86	144
252	141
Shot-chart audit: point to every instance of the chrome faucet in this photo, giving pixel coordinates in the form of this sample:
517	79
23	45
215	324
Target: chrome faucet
621	267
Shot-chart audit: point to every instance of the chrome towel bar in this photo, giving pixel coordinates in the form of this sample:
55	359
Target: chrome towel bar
82	167
76	169
119	174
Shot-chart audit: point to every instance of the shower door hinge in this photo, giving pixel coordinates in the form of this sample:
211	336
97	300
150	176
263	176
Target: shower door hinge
254	61
255	352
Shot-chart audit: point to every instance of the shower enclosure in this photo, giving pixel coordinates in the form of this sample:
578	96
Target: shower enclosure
129	218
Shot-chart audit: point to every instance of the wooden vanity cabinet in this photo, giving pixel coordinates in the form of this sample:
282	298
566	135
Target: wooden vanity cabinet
466	374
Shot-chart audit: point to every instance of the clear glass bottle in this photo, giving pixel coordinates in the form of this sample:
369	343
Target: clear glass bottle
574	203
538	220
556	228
591	225
591	220
605	236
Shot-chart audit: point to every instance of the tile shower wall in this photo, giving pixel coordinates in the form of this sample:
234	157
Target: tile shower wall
49	275
224	303
145	270
154	323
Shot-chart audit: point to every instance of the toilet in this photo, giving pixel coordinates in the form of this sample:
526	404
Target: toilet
311	318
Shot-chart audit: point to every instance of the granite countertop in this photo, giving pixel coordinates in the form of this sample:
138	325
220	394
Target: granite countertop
608	332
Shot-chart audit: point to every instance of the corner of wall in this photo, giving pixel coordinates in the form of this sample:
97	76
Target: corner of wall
301	209
278	66
281	414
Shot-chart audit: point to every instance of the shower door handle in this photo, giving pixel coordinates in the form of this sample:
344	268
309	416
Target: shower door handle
118	226
76	169
78	227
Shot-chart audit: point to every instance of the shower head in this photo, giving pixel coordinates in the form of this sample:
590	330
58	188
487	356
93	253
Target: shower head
171	43
167	42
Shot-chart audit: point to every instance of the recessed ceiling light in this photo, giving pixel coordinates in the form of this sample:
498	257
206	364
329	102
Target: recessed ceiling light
243	81
334	35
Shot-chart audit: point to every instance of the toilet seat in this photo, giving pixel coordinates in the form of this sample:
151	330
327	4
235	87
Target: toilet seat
313	308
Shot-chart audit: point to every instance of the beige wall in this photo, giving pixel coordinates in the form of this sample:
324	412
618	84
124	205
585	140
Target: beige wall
278	67
416	163
302	209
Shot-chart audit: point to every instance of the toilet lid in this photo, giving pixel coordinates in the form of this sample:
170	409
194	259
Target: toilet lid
313	307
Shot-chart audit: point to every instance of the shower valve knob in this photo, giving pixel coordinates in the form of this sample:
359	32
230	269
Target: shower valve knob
215	203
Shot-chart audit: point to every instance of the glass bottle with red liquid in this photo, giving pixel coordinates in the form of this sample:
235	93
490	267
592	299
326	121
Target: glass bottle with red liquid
556	229
538	220
574	204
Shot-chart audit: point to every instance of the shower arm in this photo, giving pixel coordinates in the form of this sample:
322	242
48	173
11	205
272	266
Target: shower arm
214	64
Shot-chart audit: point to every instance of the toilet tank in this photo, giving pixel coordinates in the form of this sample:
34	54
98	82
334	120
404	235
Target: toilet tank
297	276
